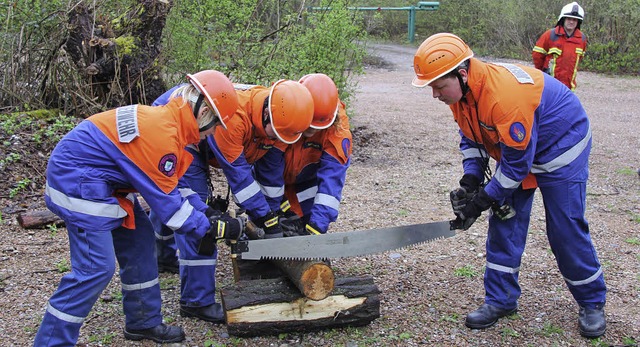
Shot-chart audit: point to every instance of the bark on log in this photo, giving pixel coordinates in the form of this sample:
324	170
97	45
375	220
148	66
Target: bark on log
274	306
39	219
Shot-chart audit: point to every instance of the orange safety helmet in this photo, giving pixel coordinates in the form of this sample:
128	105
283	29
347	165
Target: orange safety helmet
290	110
438	55
218	93
325	99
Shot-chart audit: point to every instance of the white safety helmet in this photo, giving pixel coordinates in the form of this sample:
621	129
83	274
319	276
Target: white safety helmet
572	10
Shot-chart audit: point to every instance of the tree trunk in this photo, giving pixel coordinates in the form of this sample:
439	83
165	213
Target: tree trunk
314	279
274	306
119	57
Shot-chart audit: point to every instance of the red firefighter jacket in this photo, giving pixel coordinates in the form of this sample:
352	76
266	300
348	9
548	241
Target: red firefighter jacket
559	55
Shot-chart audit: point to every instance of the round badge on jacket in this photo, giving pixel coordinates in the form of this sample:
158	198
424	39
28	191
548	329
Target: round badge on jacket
517	132
167	164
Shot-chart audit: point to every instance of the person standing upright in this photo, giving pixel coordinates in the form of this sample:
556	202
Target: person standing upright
559	50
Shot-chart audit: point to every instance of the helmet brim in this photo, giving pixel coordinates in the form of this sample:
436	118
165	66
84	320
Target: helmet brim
419	83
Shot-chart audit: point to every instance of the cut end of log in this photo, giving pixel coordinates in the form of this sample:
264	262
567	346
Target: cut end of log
317	281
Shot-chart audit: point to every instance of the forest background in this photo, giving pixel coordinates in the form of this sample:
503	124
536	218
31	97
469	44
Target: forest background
261	41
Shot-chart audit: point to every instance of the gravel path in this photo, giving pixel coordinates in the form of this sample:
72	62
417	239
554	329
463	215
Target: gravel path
405	162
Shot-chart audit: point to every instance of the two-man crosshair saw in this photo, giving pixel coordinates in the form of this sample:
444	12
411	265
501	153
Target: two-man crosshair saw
343	244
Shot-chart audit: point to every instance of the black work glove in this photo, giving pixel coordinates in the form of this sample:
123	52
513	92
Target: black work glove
223	227
459	199
472	210
470	183
292	226
219	203
269	223
212	213
285	210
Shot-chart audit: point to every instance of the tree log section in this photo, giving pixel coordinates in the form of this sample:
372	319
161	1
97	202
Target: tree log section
274	306
314	279
38	219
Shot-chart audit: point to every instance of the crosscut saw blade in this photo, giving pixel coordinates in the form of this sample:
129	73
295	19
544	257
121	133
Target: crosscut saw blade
343	244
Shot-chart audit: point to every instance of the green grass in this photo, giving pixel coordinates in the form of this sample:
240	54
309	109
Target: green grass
465	271
508	332
627	171
549	329
633	241
63	266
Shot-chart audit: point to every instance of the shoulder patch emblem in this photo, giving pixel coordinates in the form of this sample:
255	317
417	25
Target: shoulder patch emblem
517	132
167	164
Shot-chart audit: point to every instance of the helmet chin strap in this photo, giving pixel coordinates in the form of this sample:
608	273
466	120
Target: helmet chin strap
196	110
265	120
463	86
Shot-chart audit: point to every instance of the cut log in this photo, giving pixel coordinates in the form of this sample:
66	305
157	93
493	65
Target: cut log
314	279
39	219
274	306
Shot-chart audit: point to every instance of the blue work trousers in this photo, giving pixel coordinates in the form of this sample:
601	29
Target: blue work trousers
93	257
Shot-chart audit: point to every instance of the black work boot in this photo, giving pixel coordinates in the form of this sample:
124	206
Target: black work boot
161	333
171	267
486	316
212	313
591	321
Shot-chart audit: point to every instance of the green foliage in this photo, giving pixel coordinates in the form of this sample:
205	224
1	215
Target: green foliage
53	230
261	42
549	329
105	339
20	186
63	266
508	332
633	241
453	318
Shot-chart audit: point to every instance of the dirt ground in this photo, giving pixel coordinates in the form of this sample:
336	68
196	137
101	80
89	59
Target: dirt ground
404	164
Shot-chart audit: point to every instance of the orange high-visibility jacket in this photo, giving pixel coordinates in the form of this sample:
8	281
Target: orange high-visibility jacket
315	172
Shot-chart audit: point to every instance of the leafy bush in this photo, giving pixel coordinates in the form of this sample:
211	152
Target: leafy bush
261	42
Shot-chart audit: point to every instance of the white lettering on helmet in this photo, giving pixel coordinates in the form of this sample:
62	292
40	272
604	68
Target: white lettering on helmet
127	123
